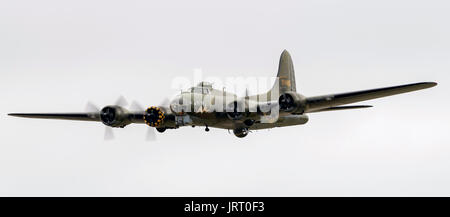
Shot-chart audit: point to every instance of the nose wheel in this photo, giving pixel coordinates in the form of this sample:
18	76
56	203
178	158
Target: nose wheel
207	128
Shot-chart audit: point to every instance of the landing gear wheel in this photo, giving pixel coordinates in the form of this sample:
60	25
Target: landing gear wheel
241	132
161	129
207	129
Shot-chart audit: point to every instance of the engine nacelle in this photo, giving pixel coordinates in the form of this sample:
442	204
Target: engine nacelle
154	116
292	102
115	116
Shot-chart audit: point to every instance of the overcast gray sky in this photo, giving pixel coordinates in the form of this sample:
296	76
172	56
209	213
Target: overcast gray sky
57	55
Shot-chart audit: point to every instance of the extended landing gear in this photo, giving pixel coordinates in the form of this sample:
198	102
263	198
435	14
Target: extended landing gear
207	129
241	132
161	129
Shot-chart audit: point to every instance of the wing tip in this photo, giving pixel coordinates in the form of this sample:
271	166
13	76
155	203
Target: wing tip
21	115
14	114
429	84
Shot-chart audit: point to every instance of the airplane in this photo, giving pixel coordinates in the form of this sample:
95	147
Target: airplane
202	105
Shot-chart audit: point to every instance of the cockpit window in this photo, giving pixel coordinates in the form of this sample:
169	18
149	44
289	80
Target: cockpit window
199	90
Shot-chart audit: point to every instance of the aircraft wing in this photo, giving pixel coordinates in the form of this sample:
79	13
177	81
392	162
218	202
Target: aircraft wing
135	117
338	108
91	116
333	101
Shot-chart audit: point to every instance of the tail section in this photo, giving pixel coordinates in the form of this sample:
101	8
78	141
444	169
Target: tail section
285	79
286	73
285	76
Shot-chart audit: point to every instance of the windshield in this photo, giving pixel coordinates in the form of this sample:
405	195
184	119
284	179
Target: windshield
199	90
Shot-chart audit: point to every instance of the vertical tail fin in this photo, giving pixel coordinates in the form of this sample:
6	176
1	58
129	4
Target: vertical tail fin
285	78
286	74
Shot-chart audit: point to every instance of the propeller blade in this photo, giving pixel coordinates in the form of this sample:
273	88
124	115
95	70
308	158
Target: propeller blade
91	107
151	136
109	134
135	106
165	102
121	101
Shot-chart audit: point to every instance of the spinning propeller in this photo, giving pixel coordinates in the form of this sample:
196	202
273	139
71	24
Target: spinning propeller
115	116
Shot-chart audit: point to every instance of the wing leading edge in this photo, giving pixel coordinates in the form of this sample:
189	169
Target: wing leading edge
330	101
338	108
134	117
61	116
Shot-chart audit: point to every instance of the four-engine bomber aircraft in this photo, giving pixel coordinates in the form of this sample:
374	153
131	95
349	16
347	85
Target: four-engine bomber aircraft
201	106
